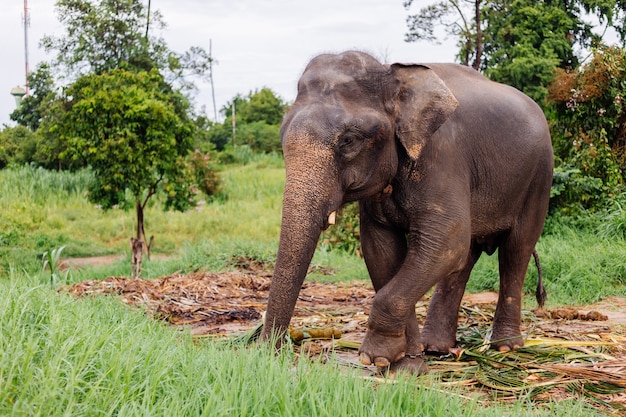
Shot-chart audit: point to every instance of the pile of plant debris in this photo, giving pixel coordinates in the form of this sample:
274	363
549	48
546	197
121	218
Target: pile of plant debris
569	352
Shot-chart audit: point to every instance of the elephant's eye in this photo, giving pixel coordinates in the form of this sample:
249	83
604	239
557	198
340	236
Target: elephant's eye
349	145
347	140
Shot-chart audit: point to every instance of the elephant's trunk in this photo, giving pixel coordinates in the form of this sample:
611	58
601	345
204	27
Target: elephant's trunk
309	198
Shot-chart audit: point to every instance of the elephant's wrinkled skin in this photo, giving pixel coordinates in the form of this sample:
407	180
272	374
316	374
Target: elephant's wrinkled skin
445	165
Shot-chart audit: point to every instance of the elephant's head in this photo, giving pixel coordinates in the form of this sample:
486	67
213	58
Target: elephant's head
341	139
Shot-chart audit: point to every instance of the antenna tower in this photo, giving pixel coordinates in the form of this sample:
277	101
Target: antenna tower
26	25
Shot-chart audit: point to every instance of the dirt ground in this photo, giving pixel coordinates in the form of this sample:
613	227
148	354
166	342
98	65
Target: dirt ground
232	303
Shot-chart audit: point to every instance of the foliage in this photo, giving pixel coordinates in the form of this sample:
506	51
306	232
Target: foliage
589	130
104	35
219	135
206	176
41	93
201	135
18	145
525	41
257	116
260	136
128	128
519	42
453	16
51	260
572	191
345	234
258	106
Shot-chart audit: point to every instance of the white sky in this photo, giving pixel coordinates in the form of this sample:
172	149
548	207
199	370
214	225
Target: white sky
257	43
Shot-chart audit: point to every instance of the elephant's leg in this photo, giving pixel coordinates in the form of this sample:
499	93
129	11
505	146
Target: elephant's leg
437	249
513	258
439	332
384	250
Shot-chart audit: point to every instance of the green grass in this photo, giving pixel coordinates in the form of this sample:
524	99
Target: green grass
95	356
62	356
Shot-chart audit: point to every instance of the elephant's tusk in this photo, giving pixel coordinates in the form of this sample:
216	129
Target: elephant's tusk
332	217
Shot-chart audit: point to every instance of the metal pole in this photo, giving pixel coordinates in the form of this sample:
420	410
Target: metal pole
148	19
211	78
234	127
26	23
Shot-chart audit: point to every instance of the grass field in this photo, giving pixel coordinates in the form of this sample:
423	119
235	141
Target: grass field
95	356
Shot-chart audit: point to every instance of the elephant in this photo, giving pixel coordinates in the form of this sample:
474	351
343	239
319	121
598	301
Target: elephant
445	165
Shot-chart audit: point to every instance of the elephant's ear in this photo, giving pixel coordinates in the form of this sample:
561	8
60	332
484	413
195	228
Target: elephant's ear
422	103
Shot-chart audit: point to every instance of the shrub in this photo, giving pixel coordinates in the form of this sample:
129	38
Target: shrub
344	235
589	127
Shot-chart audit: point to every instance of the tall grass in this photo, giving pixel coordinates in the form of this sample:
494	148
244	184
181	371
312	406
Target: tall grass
582	257
61	356
94	356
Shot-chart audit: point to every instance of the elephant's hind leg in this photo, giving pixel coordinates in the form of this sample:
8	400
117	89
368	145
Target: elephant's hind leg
513	258
439	332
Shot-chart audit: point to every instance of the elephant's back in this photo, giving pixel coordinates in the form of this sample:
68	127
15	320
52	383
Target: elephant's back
492	111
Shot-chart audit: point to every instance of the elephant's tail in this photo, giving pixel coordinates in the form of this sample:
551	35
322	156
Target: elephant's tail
540	294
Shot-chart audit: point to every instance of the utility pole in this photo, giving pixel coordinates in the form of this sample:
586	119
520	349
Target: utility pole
148	20
211	79
26	24
234	127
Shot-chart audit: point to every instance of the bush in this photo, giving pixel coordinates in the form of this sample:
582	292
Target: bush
206	175
17	146
345	234
589	126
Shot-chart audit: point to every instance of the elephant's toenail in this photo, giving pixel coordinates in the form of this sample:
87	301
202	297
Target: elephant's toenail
365	359
381	362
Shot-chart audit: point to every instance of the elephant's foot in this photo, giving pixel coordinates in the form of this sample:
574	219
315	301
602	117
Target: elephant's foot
437	341
506	339
382	349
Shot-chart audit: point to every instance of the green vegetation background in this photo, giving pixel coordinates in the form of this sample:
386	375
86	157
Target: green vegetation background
96	356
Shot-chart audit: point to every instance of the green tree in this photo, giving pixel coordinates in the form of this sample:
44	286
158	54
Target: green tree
518	42
132	130
460	19
41	93
526	40
17	145
589	127
258	117
101	35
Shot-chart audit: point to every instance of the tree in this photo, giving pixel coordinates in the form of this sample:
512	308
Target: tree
132	130
42	92
459	18
589	128
17	145
519	42
525	42
258	117
101	35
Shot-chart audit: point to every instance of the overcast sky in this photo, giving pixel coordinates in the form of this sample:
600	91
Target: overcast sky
257	43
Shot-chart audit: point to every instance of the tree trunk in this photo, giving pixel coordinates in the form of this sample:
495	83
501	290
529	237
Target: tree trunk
136	247
479	37
138	243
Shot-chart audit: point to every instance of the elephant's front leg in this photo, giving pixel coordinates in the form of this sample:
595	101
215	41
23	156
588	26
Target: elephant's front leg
392	329
384	250
427	261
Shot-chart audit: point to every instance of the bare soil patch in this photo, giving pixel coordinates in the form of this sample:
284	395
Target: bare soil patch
586	344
